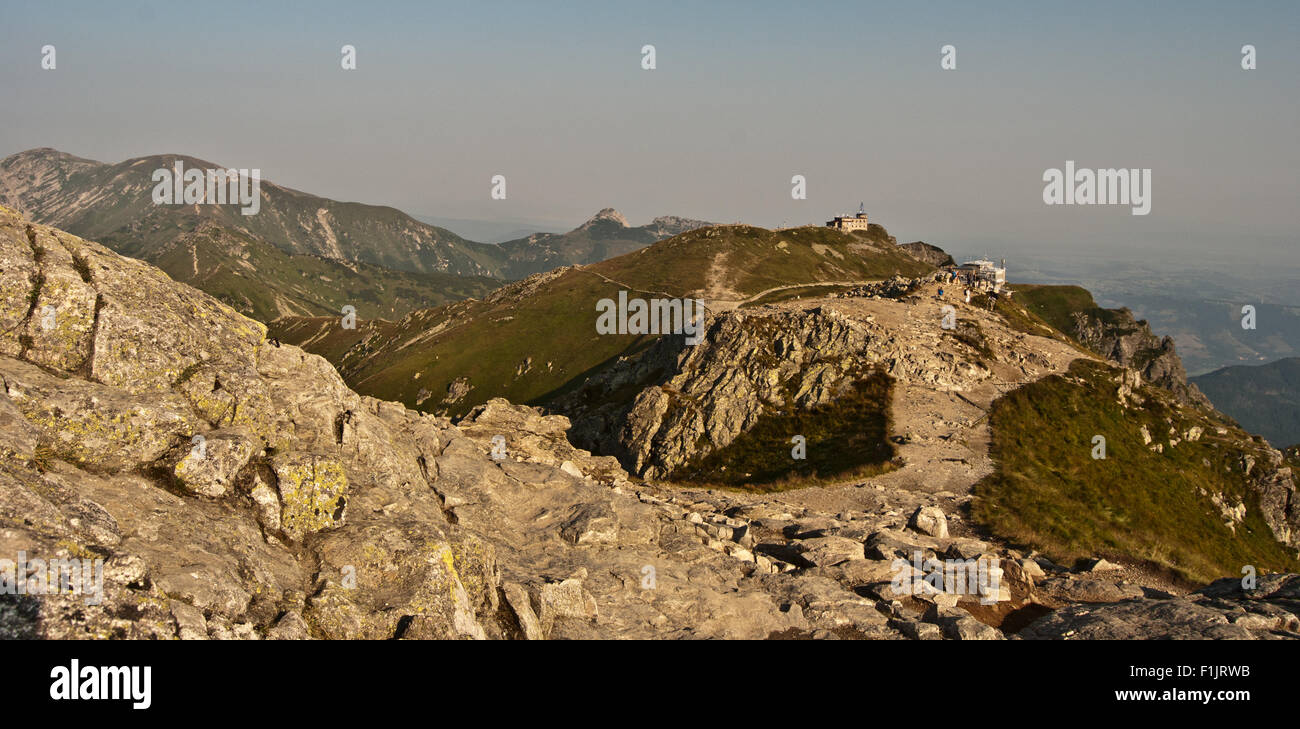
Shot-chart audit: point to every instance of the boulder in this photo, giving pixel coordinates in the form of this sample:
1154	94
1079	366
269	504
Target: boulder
930	521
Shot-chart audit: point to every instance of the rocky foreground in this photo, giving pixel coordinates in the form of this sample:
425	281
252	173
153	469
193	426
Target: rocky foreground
238	489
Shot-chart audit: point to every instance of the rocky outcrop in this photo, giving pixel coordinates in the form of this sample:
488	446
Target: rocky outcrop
892	288
1122	339
667	226
1273	480
675	404
699	399
1224	610
933	255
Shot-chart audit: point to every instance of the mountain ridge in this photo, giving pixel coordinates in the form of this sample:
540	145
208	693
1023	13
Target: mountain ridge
530	339
113	203
1264	398
605	235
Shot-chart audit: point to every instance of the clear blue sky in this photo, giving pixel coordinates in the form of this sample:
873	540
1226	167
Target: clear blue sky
552	95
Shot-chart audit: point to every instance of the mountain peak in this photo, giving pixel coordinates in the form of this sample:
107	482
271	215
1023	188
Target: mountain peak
603	215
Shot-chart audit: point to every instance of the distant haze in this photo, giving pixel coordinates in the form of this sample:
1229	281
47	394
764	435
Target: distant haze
745	95
492	230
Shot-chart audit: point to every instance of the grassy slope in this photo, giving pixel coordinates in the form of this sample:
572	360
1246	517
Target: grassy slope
1049	494
1047	311
327	336
263	282
554	325
1056	304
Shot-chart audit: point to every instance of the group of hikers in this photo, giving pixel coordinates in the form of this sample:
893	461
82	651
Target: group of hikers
952	278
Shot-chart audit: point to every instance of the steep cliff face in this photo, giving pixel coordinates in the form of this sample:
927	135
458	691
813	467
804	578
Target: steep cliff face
1272	477
698	399
1130	343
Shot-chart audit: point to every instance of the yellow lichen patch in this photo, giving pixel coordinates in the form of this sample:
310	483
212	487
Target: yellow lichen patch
449	559
477	561
312	493
102	438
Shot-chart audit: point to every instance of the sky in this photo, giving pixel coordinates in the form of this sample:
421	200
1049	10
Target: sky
552	95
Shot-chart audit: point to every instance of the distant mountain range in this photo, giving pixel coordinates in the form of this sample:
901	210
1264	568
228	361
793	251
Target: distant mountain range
1265	399
113	203
606	235
300	254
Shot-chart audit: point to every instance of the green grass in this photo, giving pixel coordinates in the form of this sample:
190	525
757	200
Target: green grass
845	438
489	341
263	282
1018	316
1048	493
1056	305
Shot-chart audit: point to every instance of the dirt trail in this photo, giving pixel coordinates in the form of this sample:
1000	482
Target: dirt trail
944	425
718	304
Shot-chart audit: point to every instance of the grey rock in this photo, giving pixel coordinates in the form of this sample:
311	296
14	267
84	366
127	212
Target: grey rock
828	551
930	521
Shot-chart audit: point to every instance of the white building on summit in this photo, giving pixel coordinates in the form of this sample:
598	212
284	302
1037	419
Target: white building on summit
981	273
849	223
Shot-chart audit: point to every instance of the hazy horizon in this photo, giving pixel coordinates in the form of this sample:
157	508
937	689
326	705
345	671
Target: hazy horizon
554	98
